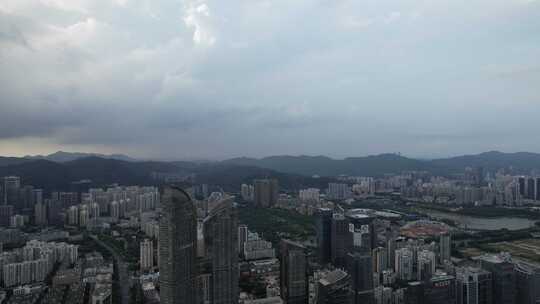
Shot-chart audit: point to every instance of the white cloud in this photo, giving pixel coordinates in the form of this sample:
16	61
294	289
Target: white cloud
197	17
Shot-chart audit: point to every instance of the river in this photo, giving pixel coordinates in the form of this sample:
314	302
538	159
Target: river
482	223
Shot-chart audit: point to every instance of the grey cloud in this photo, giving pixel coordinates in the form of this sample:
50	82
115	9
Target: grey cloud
270	77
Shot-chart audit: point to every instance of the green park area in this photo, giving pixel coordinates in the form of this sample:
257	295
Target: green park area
275	224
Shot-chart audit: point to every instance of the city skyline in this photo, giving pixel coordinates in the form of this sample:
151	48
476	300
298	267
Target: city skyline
213	80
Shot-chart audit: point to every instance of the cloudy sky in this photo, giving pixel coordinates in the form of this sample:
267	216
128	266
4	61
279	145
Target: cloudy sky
216	79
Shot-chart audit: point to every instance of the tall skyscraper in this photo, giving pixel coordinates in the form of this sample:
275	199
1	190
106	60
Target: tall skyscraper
504	278
293	273
12	185
265	192
177	247
146	254
365	224
323	227
528	283
445	247
360	267
341	240
220	230
473	286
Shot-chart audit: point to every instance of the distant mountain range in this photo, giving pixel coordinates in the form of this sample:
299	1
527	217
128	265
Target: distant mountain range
58	176
377	165
58	170
62	157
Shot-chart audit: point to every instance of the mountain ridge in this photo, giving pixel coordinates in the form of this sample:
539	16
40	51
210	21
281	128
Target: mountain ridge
62	156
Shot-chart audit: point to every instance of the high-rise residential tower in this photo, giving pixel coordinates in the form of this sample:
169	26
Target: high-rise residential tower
12	184
242	237
445	247
265	192
177	247
147	254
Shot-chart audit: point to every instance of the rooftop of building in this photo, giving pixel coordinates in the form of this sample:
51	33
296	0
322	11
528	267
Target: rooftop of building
332	277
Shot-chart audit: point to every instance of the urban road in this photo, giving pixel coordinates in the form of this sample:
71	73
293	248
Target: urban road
121	268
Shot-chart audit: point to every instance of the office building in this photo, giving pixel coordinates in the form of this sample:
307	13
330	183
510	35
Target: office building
528	283
340	240
265	192
440	289
333	288
323	227
146	255
503	276
366	225
474	286
293	273
360	267
177	247
220	230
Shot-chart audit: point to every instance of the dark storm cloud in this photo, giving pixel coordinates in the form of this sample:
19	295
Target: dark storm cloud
215	79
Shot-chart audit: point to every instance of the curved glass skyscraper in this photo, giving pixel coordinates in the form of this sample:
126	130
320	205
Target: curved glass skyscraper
177	248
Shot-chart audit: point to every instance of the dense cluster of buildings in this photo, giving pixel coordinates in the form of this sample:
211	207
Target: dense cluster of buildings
33	262
85	206
192	248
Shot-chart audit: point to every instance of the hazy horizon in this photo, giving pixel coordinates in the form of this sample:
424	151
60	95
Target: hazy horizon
264	156
209	79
